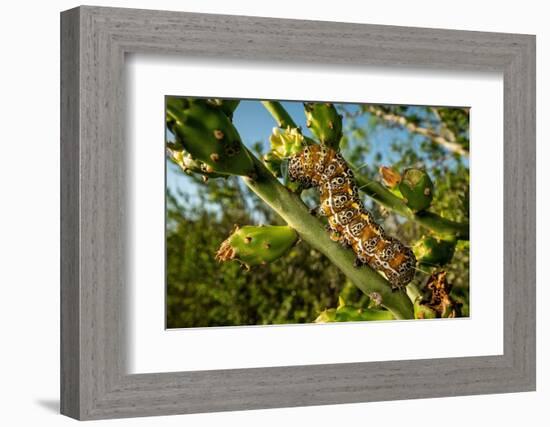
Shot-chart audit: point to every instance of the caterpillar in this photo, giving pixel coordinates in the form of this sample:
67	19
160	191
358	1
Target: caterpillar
348	220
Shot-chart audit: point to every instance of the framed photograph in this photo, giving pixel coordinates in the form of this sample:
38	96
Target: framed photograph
262	213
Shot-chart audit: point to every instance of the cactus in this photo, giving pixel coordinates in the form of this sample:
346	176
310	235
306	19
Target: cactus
429	220
228	106
189	165
273	163
209	136
432	251
280	115
324	122
257	245
417	188
287	142
211	142
295	213
345	313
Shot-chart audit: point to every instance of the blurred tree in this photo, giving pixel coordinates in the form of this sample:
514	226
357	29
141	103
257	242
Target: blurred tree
202	292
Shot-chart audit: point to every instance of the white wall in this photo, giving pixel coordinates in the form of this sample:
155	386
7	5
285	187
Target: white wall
29	225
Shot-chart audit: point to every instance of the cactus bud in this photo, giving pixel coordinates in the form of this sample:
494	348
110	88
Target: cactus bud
287	142
432	251
324	122
209	136
257	245
228	106
417	189
390	178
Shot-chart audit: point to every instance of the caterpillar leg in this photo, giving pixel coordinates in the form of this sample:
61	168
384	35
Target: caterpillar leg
314	211
358	263
335	236
345	243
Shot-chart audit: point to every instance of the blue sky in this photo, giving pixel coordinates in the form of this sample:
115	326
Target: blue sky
255	124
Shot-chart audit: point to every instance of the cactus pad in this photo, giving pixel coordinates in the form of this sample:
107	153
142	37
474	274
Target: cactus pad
417	189
208	135
324	122
256	245
432	251
228	106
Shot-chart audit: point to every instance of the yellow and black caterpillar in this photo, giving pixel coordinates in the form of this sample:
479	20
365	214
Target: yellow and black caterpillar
323	167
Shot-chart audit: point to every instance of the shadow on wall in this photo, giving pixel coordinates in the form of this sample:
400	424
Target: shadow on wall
51	405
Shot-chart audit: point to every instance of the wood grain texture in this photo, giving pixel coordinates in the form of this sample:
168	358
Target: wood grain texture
94	382
70	291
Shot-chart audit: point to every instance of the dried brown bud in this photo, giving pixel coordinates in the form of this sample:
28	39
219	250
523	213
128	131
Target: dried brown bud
390	178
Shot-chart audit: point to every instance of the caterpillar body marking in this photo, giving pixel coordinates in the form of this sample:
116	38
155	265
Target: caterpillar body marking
350	223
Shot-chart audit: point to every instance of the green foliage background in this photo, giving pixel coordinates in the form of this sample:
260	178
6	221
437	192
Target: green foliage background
297	287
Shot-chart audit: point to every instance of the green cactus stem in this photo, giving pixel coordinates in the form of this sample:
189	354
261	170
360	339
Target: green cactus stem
432	251
279	113
417	189
228	106
421	310
295	213
324	122
344	313
209	136
348	314
257	245
441	226
273	163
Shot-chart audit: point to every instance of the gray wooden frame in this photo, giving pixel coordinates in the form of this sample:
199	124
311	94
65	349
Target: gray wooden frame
94	41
